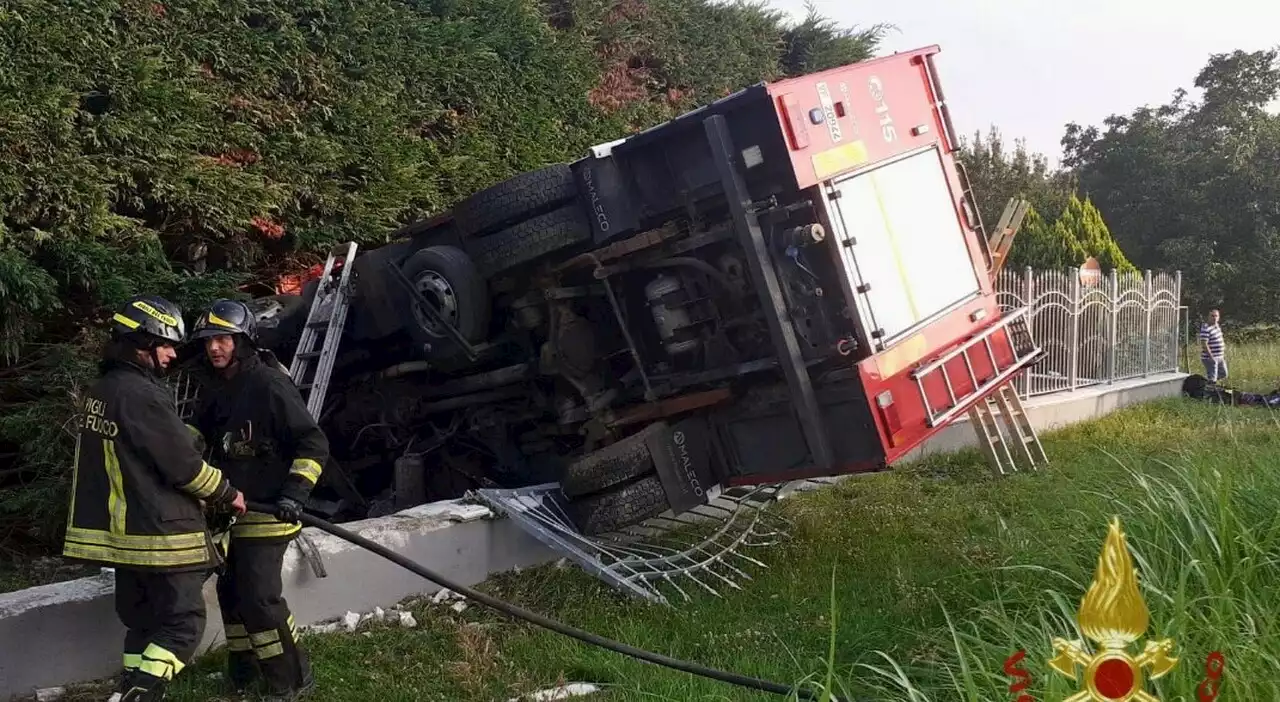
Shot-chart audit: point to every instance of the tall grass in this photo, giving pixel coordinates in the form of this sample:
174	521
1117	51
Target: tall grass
1205	538
1252	366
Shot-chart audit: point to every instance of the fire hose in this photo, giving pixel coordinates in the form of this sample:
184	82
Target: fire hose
546	622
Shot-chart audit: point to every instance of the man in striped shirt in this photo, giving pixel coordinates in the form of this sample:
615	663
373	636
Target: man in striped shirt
1213	348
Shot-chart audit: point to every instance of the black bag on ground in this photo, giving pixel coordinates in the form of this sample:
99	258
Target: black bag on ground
1200	388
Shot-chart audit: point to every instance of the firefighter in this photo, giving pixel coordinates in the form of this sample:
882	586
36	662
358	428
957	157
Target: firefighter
137	486
261	433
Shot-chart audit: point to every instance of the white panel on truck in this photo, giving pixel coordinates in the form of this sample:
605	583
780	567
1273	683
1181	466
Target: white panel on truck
908	246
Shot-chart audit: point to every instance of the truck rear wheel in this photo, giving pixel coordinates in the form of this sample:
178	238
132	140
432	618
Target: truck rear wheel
515	199
619	508
612	465
447	277
530	240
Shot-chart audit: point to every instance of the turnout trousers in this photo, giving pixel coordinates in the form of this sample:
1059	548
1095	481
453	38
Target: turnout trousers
164	617
261	635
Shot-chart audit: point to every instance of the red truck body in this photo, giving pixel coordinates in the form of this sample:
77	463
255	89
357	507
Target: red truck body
866	319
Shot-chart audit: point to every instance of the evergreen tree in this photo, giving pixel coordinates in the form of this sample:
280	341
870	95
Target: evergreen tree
1084	222
1044	245
1080	232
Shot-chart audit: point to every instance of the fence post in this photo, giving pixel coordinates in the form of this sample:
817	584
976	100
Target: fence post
1073	349
1113	310
1177	305
1028	299
1146	337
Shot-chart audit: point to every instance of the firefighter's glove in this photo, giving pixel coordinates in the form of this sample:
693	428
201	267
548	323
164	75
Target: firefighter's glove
219	518
288	510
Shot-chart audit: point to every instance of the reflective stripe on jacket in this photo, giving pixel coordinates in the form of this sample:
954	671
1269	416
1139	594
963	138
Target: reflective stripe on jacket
138	480
260	432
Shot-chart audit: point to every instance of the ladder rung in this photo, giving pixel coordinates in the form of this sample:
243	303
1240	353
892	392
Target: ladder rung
307	354
318	324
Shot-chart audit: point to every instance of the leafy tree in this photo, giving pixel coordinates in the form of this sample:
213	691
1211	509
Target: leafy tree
997	174
1195	185
1060	230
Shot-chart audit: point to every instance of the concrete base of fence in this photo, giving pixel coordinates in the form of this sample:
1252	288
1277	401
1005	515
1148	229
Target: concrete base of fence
67	632
1060	409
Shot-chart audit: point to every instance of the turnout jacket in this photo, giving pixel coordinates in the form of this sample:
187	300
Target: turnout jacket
138	479
260	433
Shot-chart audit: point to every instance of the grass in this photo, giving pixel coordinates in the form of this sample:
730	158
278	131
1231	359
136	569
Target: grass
913	585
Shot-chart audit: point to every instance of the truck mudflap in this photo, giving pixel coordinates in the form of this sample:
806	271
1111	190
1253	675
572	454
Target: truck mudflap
603	191
682	456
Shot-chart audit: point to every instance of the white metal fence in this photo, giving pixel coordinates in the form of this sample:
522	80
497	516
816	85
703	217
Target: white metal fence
1096	328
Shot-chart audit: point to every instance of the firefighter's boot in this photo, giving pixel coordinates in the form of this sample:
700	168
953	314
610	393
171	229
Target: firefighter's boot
242	670
288	674
141	687
122	684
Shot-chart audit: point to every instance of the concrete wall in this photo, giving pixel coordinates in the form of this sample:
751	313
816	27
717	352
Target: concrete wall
68	632
1049	412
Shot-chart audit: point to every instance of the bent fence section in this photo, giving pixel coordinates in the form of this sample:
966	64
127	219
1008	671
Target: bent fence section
1096	328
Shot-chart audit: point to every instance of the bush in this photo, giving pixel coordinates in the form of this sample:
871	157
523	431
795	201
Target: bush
188	148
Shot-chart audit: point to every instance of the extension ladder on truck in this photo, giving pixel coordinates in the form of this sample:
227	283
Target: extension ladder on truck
990	359
1001	240
318	347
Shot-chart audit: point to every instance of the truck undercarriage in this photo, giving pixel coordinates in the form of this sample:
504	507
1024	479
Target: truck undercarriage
790	282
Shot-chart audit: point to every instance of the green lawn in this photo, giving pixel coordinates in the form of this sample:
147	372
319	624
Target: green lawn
941	572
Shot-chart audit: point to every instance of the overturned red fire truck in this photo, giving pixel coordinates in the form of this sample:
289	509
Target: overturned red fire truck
790	282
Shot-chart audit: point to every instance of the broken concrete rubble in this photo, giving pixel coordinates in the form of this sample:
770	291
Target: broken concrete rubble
562	692
49	694
397	614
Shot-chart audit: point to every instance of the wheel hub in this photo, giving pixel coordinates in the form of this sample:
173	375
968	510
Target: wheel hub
437	291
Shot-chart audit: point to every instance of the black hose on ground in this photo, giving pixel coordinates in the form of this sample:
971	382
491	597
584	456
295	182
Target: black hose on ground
547	623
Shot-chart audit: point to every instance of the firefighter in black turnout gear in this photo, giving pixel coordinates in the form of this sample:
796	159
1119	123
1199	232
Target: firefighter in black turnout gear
136	492
262	435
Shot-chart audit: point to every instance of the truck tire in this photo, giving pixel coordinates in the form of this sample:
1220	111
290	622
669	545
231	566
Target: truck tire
447	276
619	508
515	199
530	240
612	465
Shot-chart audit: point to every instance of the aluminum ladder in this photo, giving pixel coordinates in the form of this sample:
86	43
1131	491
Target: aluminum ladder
1006	229
995	441
318	346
